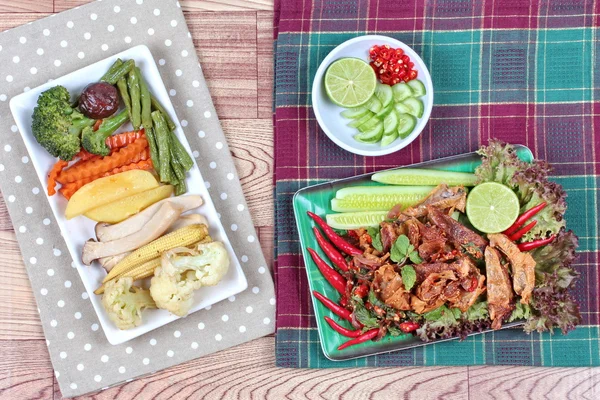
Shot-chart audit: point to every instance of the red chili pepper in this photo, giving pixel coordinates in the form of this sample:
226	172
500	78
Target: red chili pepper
391	65
344	301
536	243
334	255
368	335
336	239
524	217
409	326
519	234
331	275
361	291
474	284
352	333
336	308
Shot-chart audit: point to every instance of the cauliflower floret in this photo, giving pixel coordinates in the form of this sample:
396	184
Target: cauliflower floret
175	281
124	303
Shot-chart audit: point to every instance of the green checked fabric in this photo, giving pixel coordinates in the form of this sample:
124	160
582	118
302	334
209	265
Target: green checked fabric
524	72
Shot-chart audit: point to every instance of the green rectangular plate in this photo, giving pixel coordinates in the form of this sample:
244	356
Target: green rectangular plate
317	199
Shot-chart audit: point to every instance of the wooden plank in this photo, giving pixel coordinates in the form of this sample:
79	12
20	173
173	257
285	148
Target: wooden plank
251	144
190	5
19	6
508	382
264	30
12	20
19	318
265	237
248	371
25	370
226	47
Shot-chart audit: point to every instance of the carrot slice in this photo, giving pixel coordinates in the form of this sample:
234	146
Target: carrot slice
56	169
97	124
98	166
141	161
123	139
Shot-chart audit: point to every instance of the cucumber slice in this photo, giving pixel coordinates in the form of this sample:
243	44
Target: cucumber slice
373	104
417	87
415	106
390	123
388	139
406	124
384	94
355	113
417	176
370	124
385	111
401	92
378	198
372	135
358	122
355	220
401	108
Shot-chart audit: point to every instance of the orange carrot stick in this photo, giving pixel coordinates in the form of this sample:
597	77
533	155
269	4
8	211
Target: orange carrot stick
141	161
123	139
56	169
98	166
97	124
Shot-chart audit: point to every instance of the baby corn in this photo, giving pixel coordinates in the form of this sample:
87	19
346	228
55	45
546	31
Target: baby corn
181	237
142	271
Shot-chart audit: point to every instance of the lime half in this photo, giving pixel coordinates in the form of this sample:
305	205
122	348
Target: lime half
350	82
492	207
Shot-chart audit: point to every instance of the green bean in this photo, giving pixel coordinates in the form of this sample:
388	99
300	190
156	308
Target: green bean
159	107
120	72
180	188
145	100
182	155
122	85
162	141
134	91
112	69
151	137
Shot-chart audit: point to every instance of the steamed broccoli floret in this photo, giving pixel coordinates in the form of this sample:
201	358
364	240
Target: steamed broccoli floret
56	125
95	141
124	303
175	281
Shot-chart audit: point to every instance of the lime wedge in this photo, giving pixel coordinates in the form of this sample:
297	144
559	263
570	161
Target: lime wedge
350	82
492	207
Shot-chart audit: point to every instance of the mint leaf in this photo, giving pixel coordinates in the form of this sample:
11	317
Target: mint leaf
375	234
414	257
377	244
399	251
409	276
363	315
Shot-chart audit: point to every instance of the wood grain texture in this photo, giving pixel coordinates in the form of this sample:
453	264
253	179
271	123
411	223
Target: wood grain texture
251	144
12	20
246	371
188	5
30	6
25	370
264	45
226	46
508	382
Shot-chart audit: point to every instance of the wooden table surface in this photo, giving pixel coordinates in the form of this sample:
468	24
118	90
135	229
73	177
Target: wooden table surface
248	370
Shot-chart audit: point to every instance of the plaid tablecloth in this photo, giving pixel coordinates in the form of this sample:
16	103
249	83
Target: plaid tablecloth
525	72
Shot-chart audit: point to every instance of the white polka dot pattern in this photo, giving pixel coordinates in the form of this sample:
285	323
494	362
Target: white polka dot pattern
47	49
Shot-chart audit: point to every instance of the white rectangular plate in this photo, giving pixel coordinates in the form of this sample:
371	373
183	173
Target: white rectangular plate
77	230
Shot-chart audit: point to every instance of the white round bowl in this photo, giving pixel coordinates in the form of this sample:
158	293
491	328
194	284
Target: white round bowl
328	114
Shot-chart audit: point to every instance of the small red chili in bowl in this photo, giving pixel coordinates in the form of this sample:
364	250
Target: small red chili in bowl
391	65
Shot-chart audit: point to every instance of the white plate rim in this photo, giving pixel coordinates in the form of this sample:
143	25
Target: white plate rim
317	87
114	335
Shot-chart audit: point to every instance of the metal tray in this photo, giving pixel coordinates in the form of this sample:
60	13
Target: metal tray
317	199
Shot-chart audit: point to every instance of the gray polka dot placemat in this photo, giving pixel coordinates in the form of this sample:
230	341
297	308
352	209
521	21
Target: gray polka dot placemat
32	54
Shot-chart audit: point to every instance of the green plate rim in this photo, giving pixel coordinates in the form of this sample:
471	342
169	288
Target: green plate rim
387	344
